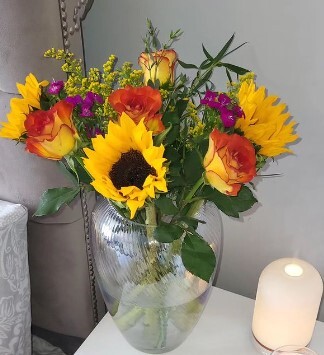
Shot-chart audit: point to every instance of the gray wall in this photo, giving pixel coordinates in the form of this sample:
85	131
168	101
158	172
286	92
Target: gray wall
285	49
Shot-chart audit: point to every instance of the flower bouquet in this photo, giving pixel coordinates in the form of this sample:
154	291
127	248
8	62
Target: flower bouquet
158	145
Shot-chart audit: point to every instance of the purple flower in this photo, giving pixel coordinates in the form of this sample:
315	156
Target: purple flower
55	87
209	98
91	98
86	103
86	111
238	112
92	132
223	99
228	117
74	100
229	111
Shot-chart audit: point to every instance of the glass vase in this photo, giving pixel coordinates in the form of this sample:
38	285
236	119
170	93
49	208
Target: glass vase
293	350
153	299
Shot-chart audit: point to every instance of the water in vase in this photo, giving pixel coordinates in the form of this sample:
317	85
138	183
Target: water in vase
158	327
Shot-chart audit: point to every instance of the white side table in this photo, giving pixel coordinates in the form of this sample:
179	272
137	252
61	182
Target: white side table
15	332
224	329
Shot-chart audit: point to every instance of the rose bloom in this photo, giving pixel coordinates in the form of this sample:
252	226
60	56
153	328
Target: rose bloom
138	103
51	134
229	162
158	65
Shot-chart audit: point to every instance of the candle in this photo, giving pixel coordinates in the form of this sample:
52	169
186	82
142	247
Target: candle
287	303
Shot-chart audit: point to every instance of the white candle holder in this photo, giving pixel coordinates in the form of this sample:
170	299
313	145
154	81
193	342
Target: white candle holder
287	303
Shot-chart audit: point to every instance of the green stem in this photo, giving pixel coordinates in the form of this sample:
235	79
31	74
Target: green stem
150	220
154	320
195	207
198	79
193	190
130	318
150	214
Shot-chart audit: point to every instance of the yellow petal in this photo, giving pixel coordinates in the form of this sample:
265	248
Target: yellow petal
61	145
121	138
133	206
217	182
265	120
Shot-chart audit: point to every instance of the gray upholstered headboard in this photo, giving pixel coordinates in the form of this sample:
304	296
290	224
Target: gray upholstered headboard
25	36
28	29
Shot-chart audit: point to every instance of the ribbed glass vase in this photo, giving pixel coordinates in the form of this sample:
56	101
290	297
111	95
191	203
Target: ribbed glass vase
153	299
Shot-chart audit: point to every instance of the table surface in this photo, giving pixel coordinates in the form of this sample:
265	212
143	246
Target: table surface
224	328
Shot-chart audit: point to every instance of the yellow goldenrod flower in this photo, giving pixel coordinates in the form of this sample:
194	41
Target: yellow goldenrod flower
164	93
125	165
94	75
20	107
109	65
264	122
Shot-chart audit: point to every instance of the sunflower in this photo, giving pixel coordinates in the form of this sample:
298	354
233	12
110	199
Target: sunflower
31	91
264	120
125	165
20	107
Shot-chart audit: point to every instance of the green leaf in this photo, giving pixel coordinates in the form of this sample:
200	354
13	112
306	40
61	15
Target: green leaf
246	199
205	65
192	166
67	172
202	80
159	139
167	233
181	106
235	49
173	134
177	181
187	65
44	102
231	205
171	154
76	170
166	205
223	51
198	257
174	170
70	162
203	147
234	68
208	56
153	85
84	176
229	76
189	221
171	119
53	199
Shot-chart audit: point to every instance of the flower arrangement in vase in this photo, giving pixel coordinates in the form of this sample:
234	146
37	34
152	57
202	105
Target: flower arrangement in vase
156	144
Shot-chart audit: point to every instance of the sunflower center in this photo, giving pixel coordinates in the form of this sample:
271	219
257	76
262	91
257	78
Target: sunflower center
130	170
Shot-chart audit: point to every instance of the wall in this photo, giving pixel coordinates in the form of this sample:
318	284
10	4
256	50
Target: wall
285	50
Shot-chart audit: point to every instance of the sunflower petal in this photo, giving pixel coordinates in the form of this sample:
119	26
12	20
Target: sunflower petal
122	137
264	121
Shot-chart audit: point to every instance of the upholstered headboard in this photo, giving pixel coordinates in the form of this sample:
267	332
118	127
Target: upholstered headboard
61	242
25	36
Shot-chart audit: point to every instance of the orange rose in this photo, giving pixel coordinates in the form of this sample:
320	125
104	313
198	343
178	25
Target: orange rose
229	162
158	65
51	134
137	103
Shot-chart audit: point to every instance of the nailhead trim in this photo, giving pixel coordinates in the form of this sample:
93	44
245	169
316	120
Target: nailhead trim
92	277
78	14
